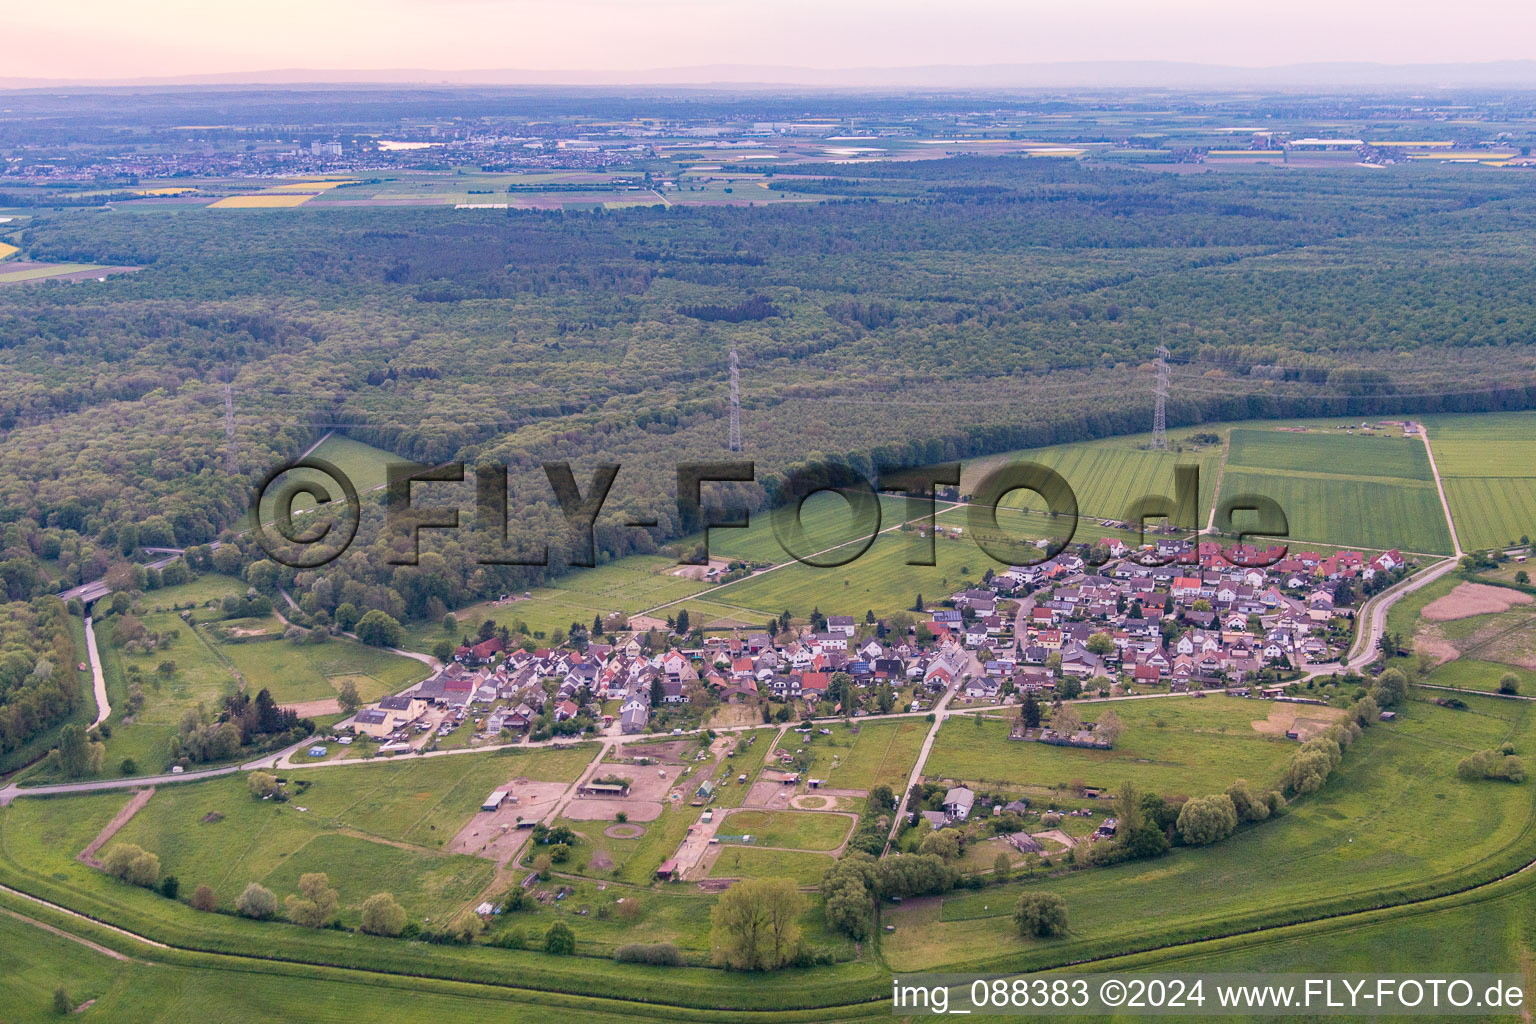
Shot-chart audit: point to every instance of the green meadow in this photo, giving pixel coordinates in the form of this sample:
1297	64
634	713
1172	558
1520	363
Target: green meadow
1188	745
796	830
1488	463
1394	820
364	465
863	755
216	834
751	862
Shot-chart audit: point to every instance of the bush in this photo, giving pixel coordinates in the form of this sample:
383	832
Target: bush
379	629
1491	764
559	940
1390	688
1509	683
382	915
659	954
512	938
256	902
133	865
170	887
315	904
1040	915
1207	819
62	1003
203	899
262	784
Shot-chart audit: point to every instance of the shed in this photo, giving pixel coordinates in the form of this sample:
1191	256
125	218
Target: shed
494	801
1025	843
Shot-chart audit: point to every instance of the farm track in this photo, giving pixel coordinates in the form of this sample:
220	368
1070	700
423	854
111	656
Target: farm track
123	817
1450	523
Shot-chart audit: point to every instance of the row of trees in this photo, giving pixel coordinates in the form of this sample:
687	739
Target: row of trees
315	905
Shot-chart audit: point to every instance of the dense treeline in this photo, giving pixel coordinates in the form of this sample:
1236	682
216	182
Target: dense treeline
38	685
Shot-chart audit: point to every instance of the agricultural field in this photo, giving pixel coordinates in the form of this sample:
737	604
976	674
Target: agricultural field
1364	490
879	580
1472	674
1334	453
261	201
297	673
1394	815
624	586
1488	463
1457	620
23	271
120	991
827	521
877	753
363	464
1170	745
1108	475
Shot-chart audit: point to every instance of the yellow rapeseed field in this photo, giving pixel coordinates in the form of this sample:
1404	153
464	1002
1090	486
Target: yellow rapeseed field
315	186
260	201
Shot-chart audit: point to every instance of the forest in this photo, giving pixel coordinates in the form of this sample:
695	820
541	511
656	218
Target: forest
929	311
38	688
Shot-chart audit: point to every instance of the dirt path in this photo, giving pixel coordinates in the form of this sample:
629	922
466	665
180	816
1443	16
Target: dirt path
314	708
121	818
61	933
1221	470
61	909
1059	835
1450	524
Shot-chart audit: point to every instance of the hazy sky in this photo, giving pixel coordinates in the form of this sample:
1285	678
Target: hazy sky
110	39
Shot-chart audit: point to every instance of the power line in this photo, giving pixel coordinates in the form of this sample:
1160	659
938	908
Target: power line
735	441
1160	414
231	454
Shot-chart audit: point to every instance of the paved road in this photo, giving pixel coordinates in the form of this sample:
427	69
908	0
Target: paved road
1368	635
96	589
922	759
